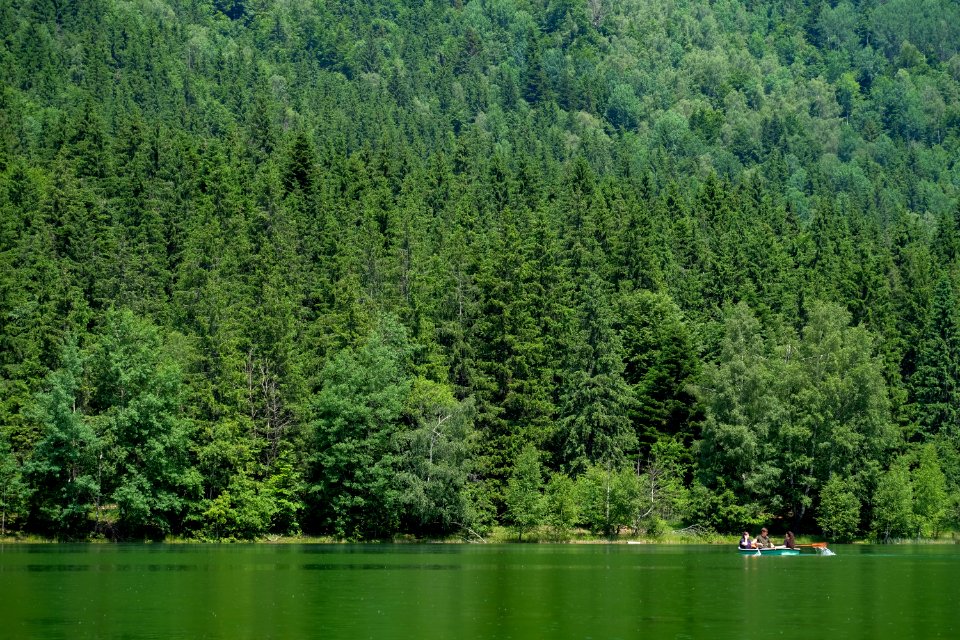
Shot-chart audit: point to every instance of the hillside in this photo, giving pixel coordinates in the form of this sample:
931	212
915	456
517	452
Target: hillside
369	268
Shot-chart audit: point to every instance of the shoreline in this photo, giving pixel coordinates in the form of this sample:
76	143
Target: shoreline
495	538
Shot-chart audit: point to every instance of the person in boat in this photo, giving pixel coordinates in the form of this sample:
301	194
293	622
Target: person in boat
763	540
745	541
788	541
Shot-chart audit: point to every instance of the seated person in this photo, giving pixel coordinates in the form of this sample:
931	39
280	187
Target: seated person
745	541
763	540
788	541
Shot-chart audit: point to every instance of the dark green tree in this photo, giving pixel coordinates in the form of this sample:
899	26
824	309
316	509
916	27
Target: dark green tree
935	384
136	391
14	490
660	366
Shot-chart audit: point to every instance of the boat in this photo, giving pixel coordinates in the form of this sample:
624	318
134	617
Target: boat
769	552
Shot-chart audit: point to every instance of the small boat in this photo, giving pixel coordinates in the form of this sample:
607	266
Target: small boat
769	552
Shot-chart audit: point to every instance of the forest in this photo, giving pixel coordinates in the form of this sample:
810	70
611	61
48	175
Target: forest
381	268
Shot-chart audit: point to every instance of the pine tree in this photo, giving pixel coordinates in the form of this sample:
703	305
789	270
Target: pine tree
660	366
935	385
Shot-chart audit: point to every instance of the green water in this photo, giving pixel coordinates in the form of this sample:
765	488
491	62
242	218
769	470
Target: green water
474	591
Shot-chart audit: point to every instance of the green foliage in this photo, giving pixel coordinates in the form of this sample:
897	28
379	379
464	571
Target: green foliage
562	508
935	384
610	499
665	497
238	512
930	24
13	489
67	463
113	437
136	398
271	267
661	365
929	494
353	455
783	420
744	412
893	504
839	512
523	497
594	424
434	460
720	509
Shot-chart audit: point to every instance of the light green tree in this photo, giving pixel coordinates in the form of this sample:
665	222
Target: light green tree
783	418
562	509
744	409
65	469
353	458
663	496
524	493
611	498
434	459
893	504
929	493
135	401
839	511
839	415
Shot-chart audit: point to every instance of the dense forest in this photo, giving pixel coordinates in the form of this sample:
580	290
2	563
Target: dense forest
376	268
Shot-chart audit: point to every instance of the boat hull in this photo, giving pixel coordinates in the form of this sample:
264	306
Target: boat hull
769	552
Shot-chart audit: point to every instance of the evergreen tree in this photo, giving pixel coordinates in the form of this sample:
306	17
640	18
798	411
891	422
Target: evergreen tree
564	205
13	488
595	401
934	383
660	365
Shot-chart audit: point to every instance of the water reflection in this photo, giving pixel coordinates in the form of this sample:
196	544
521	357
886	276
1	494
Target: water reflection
473	592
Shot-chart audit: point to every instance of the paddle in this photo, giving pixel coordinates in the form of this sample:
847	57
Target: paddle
820	545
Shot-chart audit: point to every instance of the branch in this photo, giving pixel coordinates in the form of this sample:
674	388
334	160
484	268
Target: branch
694	530
463	526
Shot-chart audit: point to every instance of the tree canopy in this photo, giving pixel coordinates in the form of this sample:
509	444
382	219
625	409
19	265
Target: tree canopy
360	268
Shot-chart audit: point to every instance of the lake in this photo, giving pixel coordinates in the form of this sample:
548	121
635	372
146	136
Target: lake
475	591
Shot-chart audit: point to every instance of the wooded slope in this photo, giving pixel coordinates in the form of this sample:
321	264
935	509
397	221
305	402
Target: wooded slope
368	268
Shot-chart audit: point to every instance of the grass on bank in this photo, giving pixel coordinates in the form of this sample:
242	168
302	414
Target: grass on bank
497	535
